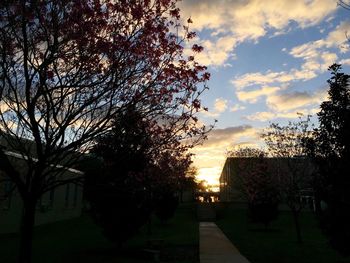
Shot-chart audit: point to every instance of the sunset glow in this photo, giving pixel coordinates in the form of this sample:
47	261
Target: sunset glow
268	61
209	174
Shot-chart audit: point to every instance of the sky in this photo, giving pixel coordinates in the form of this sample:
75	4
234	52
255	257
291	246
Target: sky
268	61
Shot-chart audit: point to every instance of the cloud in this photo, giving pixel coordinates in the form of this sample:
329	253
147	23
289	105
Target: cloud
210	174
316	59
237	107
345	62
257	78
253	95
250	19
220	105
216	51
269	115
224	137
338	37
308	71
210	157
232	22
295	100
315	52
290	104
316	56
261	116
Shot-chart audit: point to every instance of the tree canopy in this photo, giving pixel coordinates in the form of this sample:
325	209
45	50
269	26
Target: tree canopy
138	175
67	67
258	183
330	148
292	167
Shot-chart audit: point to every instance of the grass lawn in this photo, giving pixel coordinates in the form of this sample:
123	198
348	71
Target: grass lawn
79	240
278	244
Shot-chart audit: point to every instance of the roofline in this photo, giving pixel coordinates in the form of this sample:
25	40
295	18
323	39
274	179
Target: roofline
21	156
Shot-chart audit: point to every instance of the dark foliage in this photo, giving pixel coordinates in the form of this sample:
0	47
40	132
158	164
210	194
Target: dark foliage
294	170
330	148
263	204
117	192
258	184
136	176
68	67
263	212
120	210
165	205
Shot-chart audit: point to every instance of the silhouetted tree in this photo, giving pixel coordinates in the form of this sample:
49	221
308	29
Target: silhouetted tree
166	203
117	191
141	173
169	174
246	152
330	148
188	183
293	168
257	183
67	67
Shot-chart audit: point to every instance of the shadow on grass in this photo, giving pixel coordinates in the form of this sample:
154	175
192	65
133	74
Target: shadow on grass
108	255
179	254
80	240
279	245
264	230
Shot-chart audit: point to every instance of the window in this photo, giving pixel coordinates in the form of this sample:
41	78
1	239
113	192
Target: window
7	194
76	192
66	203
51	197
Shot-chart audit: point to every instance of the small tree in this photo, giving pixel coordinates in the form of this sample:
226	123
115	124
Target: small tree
141	173
294	170
188	183
116	188
169	174
258	184
330	149
165	204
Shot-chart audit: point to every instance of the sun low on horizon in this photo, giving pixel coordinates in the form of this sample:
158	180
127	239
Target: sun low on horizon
268	62
209	175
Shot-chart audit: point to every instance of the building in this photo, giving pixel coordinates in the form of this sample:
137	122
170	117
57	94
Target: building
61	203
230	183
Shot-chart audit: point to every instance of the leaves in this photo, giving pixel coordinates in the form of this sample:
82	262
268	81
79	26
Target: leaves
79	63
330	149
294	170
258	182
69	67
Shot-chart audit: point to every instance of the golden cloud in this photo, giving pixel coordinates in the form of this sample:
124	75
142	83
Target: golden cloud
237	107
220	106
233	22
253	95
293	114
250	19
210	157
295	100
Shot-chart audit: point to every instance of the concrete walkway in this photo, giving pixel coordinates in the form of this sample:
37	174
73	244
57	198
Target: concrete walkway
214	246
206	212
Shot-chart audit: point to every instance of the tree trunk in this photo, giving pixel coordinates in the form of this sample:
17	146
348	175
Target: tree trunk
26	231
297	225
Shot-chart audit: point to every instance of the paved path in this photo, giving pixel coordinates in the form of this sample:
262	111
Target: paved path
214	246
206	212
